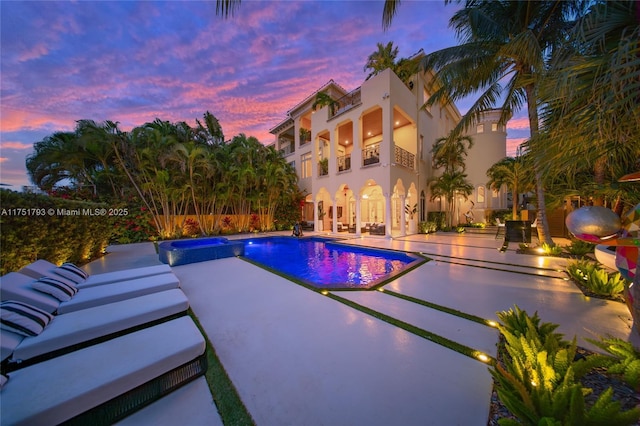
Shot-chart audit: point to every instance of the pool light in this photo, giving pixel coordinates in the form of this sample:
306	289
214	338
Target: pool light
325	292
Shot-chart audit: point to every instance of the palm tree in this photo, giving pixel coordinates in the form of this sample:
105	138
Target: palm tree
512	173
227	8
449	185
450	152
381	59
55	158
324	99
591	97
504	52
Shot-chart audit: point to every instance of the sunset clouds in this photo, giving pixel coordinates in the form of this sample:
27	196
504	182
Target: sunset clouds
132	62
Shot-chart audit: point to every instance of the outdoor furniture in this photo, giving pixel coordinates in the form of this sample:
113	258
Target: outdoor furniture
378	229
501	227
103	383
74	330
42	268
15	286
518	231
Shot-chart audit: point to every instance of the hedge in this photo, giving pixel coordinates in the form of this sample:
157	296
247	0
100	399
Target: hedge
34	226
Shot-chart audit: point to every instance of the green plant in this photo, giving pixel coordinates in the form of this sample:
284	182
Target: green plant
579	248
427	227
305	135
411	210
537	381
596	279
624	360
324	166
551	250
460	229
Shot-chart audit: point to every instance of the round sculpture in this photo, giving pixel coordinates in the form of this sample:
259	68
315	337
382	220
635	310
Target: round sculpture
593	221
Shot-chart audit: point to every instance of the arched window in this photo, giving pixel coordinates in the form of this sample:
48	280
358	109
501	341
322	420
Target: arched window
480	195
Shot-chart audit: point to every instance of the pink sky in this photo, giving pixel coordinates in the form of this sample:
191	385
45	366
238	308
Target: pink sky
133	62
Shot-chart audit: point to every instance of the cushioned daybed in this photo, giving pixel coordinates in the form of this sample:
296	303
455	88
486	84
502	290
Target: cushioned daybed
103	383
16	286
88	326
42	268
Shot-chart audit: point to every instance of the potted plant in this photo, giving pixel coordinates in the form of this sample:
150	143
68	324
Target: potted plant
324	166
411	211
321	214
305	135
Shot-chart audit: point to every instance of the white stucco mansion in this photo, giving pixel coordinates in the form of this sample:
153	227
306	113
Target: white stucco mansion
365	158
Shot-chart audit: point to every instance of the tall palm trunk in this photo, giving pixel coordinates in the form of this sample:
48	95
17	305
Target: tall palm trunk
599	177
544	234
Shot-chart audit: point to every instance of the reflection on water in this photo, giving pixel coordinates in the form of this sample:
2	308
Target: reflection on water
326	264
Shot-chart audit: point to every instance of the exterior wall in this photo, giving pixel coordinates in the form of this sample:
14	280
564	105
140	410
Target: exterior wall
389	168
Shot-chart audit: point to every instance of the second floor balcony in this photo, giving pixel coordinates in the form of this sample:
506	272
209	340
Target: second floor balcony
404	158
344	163
371	155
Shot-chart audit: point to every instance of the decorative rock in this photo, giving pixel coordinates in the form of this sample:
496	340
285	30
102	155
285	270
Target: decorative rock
593	221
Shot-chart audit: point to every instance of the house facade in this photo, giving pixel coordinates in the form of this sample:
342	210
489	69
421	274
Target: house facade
364	160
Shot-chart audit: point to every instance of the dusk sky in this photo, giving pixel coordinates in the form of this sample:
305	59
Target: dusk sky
133	62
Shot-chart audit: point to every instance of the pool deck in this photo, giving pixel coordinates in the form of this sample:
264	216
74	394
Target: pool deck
298	357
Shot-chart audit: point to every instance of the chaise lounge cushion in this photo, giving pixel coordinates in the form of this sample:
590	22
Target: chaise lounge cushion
57	390
15	286
79	327
56	288
21	318
42	268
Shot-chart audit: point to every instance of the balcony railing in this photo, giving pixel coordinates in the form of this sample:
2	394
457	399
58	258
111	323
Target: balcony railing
345	103
404	158
371	155
344	162
289	149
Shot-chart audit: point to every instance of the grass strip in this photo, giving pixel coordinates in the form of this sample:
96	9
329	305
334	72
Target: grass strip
441	308
433	255
230	407
500	269
442	341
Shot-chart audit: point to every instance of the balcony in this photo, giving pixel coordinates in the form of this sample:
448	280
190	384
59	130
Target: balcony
404	158
371	155
344	163
323	167
345	103
287	150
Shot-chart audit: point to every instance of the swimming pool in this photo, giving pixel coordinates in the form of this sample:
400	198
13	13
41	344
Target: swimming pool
325	263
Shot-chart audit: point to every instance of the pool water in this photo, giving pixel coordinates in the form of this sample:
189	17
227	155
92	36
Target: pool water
323	263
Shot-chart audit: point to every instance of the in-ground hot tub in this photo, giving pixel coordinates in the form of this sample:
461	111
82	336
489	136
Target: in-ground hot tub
183	252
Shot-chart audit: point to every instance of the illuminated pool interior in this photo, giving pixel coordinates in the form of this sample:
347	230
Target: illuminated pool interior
327	264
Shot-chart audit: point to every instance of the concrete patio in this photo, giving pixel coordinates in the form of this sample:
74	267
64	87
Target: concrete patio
299	357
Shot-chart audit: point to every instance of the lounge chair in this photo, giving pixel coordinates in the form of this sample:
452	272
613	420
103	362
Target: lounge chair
16	286
82	328
43	268
106	382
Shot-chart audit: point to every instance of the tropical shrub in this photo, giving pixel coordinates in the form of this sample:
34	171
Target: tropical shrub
538	379
190	227
134	227
551	250
579	248
427	227
624	360
439	218
595	279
